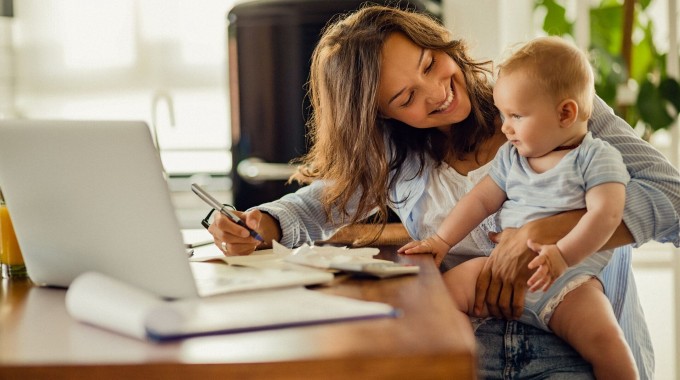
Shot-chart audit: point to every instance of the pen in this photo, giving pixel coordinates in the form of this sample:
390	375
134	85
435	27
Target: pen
223	209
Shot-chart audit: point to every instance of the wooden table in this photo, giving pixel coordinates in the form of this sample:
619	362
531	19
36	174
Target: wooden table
38	339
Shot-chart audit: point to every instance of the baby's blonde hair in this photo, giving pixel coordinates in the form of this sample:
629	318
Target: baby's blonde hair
559	67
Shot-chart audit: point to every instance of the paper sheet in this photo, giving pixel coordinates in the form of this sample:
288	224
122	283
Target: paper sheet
301	258
108	303
102	301
258	310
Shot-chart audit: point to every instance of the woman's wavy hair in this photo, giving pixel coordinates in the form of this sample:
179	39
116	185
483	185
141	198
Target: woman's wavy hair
349	148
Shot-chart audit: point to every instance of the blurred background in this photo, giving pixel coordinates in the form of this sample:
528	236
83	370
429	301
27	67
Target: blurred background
221	85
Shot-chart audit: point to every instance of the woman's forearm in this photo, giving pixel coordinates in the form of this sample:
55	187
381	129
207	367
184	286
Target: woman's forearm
553	228
269	229
653	193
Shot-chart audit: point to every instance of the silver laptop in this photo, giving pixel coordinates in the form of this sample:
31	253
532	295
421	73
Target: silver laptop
91	196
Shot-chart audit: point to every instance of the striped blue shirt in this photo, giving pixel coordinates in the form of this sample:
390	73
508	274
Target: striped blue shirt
651	213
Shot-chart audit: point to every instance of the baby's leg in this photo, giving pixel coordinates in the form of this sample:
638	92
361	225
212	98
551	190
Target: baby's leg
461	281
585	320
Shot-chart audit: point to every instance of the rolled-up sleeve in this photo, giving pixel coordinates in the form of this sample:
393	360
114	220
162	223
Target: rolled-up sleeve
302	217
653	193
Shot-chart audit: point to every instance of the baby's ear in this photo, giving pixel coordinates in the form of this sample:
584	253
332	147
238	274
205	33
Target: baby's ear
568	112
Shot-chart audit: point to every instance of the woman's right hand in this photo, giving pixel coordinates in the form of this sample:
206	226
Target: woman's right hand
233	239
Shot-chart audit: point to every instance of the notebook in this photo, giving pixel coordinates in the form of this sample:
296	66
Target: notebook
91	196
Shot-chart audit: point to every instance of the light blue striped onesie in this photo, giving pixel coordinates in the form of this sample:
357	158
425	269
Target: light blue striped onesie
533	195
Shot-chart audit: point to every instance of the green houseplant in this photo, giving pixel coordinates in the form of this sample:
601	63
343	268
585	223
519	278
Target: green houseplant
622	62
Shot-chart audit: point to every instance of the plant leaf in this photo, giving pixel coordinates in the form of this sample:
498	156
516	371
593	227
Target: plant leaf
605	28
644	3
670	90
555	22
652	106
645	57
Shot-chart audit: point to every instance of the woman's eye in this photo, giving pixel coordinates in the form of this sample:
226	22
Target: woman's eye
431	65
408	101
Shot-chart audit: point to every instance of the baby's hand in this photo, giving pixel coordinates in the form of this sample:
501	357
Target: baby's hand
432	244
550	264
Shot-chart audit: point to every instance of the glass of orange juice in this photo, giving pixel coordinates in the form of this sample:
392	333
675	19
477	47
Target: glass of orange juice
10	255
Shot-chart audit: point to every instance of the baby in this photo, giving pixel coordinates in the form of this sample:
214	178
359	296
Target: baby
544	93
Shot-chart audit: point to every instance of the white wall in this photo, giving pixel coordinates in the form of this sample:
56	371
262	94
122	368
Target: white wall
489	26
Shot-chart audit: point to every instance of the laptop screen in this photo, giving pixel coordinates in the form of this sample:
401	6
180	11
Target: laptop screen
90	195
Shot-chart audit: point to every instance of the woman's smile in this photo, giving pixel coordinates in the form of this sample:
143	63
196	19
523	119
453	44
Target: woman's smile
448	102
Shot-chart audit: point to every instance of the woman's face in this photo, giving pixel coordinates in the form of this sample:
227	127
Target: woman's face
420	87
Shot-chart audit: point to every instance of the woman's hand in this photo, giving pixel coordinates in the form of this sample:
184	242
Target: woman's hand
502	284
233	239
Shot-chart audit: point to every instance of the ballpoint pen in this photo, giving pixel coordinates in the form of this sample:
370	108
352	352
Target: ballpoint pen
223	209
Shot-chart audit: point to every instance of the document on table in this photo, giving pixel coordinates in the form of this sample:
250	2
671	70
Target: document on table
320	257
359	261
108	303
195	237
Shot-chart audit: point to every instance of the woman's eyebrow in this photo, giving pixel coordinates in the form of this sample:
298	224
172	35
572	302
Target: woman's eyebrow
420	61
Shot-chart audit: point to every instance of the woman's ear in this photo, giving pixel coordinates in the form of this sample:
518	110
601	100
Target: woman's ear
568	112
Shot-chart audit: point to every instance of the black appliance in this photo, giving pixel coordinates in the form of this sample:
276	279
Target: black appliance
270	43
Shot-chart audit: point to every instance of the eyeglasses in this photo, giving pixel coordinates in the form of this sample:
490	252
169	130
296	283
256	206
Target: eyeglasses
206	221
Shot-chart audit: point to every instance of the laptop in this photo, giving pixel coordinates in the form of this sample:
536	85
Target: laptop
91	196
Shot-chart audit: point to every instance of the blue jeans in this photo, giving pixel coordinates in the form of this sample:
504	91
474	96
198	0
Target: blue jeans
513	350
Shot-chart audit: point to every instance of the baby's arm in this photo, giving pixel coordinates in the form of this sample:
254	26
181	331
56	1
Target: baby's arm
483	200
604	204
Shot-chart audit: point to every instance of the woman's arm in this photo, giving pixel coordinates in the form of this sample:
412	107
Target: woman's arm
292	220
556	226
653	194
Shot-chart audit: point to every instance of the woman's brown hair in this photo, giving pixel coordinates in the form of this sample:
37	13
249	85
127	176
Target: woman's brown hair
349	148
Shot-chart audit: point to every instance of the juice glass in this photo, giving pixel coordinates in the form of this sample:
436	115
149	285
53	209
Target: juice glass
10	255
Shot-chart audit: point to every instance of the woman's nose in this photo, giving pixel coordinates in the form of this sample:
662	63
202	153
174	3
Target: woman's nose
436	92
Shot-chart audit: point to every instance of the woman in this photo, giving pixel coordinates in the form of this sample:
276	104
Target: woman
403	118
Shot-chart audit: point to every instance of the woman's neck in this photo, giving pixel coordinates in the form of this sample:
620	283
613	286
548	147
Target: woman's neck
474	160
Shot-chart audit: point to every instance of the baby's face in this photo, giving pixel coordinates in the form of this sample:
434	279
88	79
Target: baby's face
531	120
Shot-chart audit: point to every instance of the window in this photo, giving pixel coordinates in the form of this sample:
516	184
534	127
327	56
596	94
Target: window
162	61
